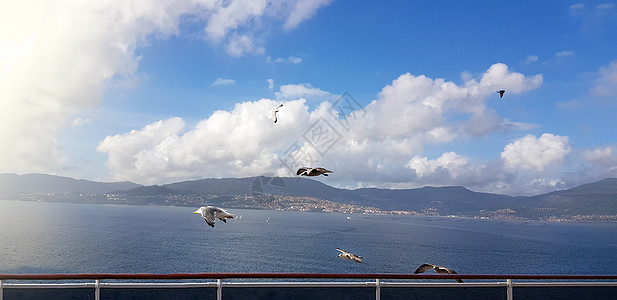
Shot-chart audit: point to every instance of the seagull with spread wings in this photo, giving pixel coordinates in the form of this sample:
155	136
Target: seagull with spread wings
349	256
211	213
305	171
438	269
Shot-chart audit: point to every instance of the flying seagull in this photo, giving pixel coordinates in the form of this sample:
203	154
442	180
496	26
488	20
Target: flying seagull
275	111
438	269
305	171
501	92
349	256
211	213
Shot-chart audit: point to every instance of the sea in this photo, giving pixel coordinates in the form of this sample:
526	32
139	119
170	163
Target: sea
41	237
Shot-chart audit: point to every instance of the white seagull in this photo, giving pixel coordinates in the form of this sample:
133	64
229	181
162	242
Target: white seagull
275	111
305	171
349	256
438	269
211	213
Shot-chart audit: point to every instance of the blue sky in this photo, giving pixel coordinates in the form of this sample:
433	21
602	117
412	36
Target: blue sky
163	91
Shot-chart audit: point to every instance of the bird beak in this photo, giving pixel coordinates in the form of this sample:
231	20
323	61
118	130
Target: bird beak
194	212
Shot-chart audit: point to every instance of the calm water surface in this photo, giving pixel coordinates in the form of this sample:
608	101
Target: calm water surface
83	238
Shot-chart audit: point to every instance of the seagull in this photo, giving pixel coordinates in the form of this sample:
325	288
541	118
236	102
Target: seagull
305	171
349	256
501	93
211	213
275	111
438	269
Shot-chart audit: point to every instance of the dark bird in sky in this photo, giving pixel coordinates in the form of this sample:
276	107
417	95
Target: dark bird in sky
305	171
501	92
349	256
276	111
211	213
438	269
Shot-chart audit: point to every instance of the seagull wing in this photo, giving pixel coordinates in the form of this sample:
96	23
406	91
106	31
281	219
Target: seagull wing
339	249
423	268
301	170
209	214
323	171
356	258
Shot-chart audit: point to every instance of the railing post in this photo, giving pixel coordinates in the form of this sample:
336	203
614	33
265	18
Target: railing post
377	289
509	289
1	289
97	289
219	289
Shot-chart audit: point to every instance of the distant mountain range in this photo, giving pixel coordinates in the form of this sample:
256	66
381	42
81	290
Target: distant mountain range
589	201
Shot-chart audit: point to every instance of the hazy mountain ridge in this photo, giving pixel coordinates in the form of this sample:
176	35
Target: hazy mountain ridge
597	198
41	183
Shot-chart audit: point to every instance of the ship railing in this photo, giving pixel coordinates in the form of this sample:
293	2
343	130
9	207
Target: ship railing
219	281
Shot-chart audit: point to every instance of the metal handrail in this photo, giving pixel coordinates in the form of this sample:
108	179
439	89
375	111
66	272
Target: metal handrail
377	281
179	276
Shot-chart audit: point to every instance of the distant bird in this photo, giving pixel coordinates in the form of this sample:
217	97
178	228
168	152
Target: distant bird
438	269
211	213
501	92
349	256
276	110
305	171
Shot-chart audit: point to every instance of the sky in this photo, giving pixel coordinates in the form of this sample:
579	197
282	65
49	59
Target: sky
387	94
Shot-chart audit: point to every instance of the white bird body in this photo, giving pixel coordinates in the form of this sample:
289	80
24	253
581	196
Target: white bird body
349	256
211	213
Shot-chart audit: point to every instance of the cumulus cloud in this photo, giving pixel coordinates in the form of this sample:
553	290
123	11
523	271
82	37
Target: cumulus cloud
241	142
603	160
223	81
536	154
56	58
386	138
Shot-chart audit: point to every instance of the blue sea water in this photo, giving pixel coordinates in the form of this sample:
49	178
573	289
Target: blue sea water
85	238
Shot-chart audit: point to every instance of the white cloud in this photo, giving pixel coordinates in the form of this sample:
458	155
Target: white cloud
239	143
451	163
303	10
243	44
536	154
381	138
56	58
531	59
80	122
234	14
292	59
565	54
606	6
607	81
577	6
303	90
270	83
223	81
